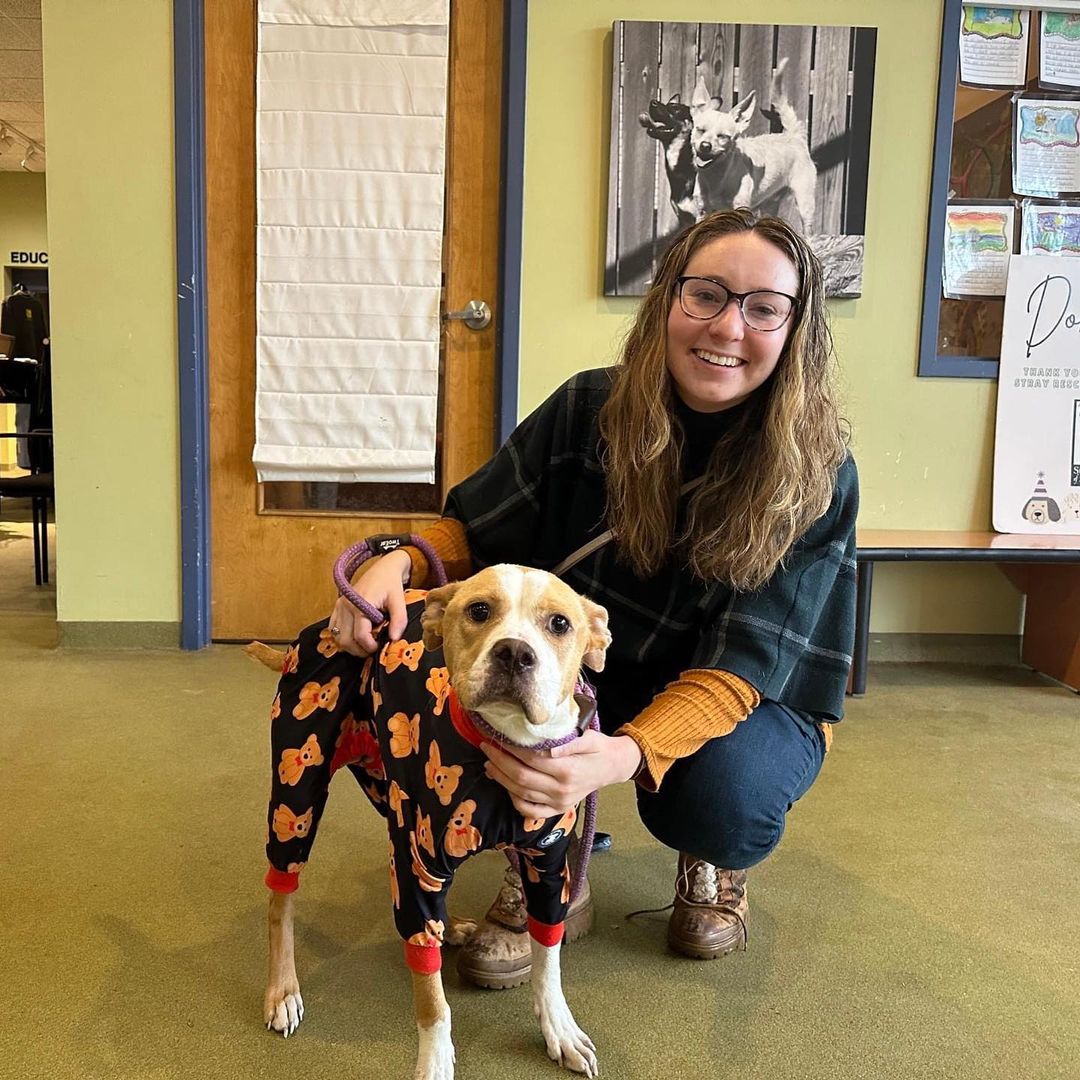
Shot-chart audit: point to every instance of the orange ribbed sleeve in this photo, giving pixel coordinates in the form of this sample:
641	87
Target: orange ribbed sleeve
447	537
700	705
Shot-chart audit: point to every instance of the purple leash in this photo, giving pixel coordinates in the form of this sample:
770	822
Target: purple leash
588	819
351	559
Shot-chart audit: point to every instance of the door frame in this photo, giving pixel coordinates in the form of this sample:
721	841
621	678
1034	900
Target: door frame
191	304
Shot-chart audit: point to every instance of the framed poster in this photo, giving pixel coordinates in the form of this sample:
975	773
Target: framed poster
706	116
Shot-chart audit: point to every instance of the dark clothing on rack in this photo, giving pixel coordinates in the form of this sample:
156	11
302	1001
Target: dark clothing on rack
24	318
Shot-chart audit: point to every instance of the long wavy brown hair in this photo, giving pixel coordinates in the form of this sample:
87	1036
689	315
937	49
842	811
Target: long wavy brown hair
770	476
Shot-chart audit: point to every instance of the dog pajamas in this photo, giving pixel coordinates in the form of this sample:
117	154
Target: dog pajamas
397	726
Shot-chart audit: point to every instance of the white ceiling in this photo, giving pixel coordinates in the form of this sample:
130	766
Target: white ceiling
22	105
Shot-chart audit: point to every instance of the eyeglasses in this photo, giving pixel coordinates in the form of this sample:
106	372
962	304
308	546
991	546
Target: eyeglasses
703	298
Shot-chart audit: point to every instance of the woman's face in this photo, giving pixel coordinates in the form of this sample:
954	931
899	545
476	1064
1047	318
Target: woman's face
720	362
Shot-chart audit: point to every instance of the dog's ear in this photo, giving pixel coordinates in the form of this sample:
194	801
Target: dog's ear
743	113
599	635
700	99
675	99
434	610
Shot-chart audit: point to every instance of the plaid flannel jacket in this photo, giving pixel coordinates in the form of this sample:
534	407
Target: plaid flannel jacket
542	496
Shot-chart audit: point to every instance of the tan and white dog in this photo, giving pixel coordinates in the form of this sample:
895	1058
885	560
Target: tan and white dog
514	640
760	172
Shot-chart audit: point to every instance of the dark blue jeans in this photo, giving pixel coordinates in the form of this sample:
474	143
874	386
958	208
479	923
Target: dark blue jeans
727	803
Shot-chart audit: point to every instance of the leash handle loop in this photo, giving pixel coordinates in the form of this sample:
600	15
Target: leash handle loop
352	558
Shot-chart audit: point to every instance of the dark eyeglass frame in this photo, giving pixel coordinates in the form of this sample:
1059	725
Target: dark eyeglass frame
739	298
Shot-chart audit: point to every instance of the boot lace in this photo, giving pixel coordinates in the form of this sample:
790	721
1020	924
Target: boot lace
510	898
698	884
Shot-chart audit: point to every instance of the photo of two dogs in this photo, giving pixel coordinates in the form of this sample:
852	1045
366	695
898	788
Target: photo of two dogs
712	164
773	119
514	642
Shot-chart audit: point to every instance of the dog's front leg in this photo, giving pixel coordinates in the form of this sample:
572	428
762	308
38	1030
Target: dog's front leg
744	197
566	1042
435	1060
283	1007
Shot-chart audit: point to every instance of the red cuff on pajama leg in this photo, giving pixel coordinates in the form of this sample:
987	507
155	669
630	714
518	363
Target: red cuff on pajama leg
546	933
423	959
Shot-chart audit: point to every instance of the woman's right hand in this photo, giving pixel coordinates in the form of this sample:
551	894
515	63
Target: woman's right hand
382	586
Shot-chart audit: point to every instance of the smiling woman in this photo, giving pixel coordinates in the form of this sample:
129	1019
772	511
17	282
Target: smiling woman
731	600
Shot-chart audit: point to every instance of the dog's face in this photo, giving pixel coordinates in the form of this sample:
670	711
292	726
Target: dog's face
1041	510
715	130
665	120
514	640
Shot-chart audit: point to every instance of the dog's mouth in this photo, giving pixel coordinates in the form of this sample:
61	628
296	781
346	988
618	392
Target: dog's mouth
657	128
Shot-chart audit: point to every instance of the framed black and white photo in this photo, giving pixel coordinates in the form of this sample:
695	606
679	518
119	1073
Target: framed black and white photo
707	116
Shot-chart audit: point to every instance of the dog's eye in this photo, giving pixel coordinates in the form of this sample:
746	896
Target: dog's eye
558	625
478	611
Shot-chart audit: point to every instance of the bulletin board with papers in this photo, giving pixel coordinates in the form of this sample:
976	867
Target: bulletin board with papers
1006	173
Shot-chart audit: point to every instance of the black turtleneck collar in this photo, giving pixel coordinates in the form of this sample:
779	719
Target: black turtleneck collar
702	430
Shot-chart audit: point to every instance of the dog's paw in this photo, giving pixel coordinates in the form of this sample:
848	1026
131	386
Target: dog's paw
283	1009
460	930
566	1042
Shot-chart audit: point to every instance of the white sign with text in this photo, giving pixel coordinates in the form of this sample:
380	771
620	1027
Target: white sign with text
1037	448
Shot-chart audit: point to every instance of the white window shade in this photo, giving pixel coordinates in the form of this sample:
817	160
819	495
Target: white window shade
351	146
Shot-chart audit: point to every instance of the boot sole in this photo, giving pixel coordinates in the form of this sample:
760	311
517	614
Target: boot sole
575	928
696	951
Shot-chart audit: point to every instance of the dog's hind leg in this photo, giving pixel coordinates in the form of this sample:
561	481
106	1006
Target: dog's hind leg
435	1060
283	1006
315	695
804	189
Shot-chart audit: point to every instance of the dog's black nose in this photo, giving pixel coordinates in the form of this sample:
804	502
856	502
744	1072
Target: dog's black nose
705	148
513	655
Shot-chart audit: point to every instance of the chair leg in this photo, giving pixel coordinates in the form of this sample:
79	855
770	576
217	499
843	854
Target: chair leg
34	507
45	539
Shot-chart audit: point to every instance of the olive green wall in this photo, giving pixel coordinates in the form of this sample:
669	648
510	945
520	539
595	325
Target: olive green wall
22	213
108	126
924	446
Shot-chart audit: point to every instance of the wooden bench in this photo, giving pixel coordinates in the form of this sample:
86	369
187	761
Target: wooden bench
1045	568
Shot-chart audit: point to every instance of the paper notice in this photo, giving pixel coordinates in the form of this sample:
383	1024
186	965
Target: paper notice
1046	147
1059	49
993	46
1036	453
978	243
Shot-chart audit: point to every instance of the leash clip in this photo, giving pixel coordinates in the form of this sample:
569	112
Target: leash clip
382	543
352	558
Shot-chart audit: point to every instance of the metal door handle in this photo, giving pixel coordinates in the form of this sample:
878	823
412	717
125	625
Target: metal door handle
475	316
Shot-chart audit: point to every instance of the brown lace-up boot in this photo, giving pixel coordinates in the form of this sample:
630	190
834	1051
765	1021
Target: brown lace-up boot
711	910
498	955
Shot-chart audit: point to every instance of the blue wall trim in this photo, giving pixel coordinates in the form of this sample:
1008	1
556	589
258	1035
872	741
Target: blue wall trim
190	151
930	362
511	212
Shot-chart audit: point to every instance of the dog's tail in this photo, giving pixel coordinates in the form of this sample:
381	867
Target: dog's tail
263	654
788	118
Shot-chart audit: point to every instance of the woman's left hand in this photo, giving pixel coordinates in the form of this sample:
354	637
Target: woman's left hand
549	782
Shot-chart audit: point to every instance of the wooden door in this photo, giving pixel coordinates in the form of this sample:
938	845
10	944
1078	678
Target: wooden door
270	572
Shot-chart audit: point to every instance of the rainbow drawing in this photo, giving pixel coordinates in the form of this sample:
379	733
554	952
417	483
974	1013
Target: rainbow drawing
1046	125
1060	24
978	231
993	22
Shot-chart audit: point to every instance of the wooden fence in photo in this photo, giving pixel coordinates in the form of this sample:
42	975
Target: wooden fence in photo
656	60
